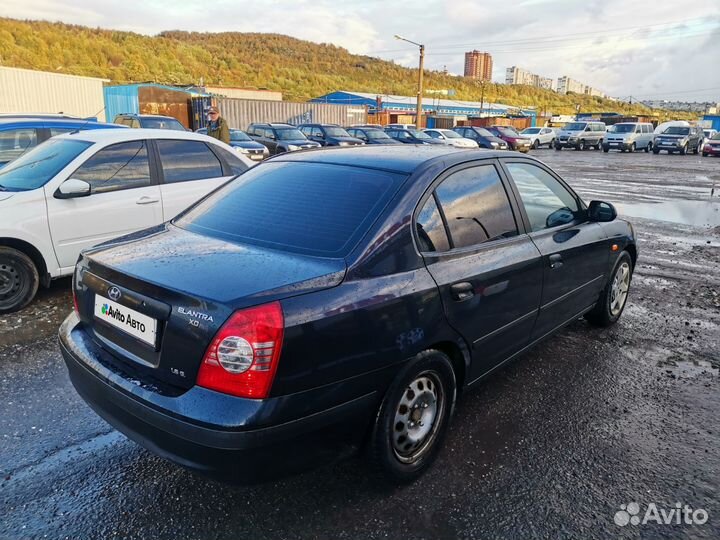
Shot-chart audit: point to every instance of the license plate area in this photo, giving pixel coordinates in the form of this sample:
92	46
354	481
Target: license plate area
128	321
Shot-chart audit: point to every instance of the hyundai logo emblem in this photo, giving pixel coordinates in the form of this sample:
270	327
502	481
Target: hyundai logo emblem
114	293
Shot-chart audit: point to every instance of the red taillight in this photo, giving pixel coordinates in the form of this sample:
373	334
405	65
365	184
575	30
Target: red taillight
243	356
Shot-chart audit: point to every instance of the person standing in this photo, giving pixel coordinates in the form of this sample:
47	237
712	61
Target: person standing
217	127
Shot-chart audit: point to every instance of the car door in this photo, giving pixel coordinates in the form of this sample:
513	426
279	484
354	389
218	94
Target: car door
188	170
124	198
575	251
488	271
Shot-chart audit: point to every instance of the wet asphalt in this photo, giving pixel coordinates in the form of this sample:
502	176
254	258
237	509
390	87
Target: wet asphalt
548	448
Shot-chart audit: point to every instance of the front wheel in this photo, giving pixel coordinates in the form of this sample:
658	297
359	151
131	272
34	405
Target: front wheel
580	145
632	148
413	417
684	150
552	143
697	149
19	280
655	151
648	148
613	298
536	144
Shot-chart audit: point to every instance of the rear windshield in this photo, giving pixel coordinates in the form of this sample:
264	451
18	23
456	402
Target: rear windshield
311	208
162	123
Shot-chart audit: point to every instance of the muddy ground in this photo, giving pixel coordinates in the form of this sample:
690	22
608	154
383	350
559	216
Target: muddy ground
550	447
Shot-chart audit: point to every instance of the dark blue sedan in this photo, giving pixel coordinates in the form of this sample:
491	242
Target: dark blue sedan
324	302
410	136
21	132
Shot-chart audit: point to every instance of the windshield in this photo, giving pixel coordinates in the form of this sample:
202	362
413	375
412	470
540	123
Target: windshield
530	131
677	130
289	134
336	132
162	123
237	136
716	137
624	128
312	208
575	126
421	135
376	134
37	167
507	131
450	134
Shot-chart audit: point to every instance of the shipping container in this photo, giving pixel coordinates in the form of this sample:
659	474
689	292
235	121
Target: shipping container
240	113
150	98
243	93
30	91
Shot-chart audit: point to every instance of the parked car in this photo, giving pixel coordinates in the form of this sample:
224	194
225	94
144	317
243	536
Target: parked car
682	139
411	127
709	133
83	188
482	136
514	140
581	135
329	135
149	121
241	142
242	342
712	147
629	137
371	135
20	133
539	136
448	136
279	138
408	136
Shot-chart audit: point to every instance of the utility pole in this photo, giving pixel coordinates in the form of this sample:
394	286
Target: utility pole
418	112
482	96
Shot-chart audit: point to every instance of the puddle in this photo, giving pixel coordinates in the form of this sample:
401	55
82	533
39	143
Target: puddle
683	368
697	213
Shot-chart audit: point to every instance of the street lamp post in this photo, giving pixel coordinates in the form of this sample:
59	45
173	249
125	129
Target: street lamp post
418	113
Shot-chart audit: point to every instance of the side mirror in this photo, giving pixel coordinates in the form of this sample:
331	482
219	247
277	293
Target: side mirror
72	188
601	211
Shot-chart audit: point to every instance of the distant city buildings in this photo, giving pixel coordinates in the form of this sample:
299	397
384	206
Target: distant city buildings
567	85
692	106
478	65
516	75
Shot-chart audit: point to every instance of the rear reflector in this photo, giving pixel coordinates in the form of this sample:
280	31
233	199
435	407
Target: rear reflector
243	356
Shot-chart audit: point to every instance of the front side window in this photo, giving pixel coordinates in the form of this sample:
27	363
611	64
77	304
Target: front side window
430	229
184	161
547	203
119	166
317	132
15	142
476	206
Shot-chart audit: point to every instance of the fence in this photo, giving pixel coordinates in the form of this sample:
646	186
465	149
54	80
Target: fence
240	113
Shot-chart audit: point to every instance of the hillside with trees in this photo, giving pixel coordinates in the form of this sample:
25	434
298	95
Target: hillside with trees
299	69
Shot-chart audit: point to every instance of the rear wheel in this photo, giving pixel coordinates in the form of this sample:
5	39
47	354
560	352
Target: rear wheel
649	147
19	280
598	146
614	296
411	424
536	144
552	143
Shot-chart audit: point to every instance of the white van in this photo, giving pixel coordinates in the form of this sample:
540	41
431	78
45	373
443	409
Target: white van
629	137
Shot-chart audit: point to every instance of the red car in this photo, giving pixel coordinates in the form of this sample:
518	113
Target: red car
712	146
513	138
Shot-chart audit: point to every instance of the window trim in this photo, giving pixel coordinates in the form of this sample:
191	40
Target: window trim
430	192
224	169
526	220
154	180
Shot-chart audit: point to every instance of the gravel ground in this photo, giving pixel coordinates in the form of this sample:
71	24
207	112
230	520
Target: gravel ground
552	446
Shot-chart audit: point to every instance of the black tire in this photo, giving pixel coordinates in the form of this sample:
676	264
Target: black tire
697	149
535	144
389	428
606	149
648	147
552	143
684	150
632	148
558	147
656	151
19	280
599	145
705	154
605	312
580	146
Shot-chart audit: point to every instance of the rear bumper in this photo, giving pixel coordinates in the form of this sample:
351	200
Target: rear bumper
233	448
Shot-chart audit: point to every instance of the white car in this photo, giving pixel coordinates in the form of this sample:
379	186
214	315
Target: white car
539	136
83	188
451	138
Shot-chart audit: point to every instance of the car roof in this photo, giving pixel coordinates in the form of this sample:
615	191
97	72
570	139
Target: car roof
132	134
37	120
133	115
403	159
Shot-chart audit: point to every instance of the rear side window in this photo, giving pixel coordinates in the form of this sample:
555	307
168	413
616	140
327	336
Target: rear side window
310	208
119	166
237	165
547	203
15	142
430	228
476	206
184	161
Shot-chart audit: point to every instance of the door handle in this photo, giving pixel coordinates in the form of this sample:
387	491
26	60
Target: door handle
147	200
555	260
462	291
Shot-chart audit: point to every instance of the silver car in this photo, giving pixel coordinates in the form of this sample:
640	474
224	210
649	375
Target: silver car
629	137
451	138
539	136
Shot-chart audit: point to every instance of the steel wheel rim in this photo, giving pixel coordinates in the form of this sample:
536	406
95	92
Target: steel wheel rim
619	289
10	283
418	417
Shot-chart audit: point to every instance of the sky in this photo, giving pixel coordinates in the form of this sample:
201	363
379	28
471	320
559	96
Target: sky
647	50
